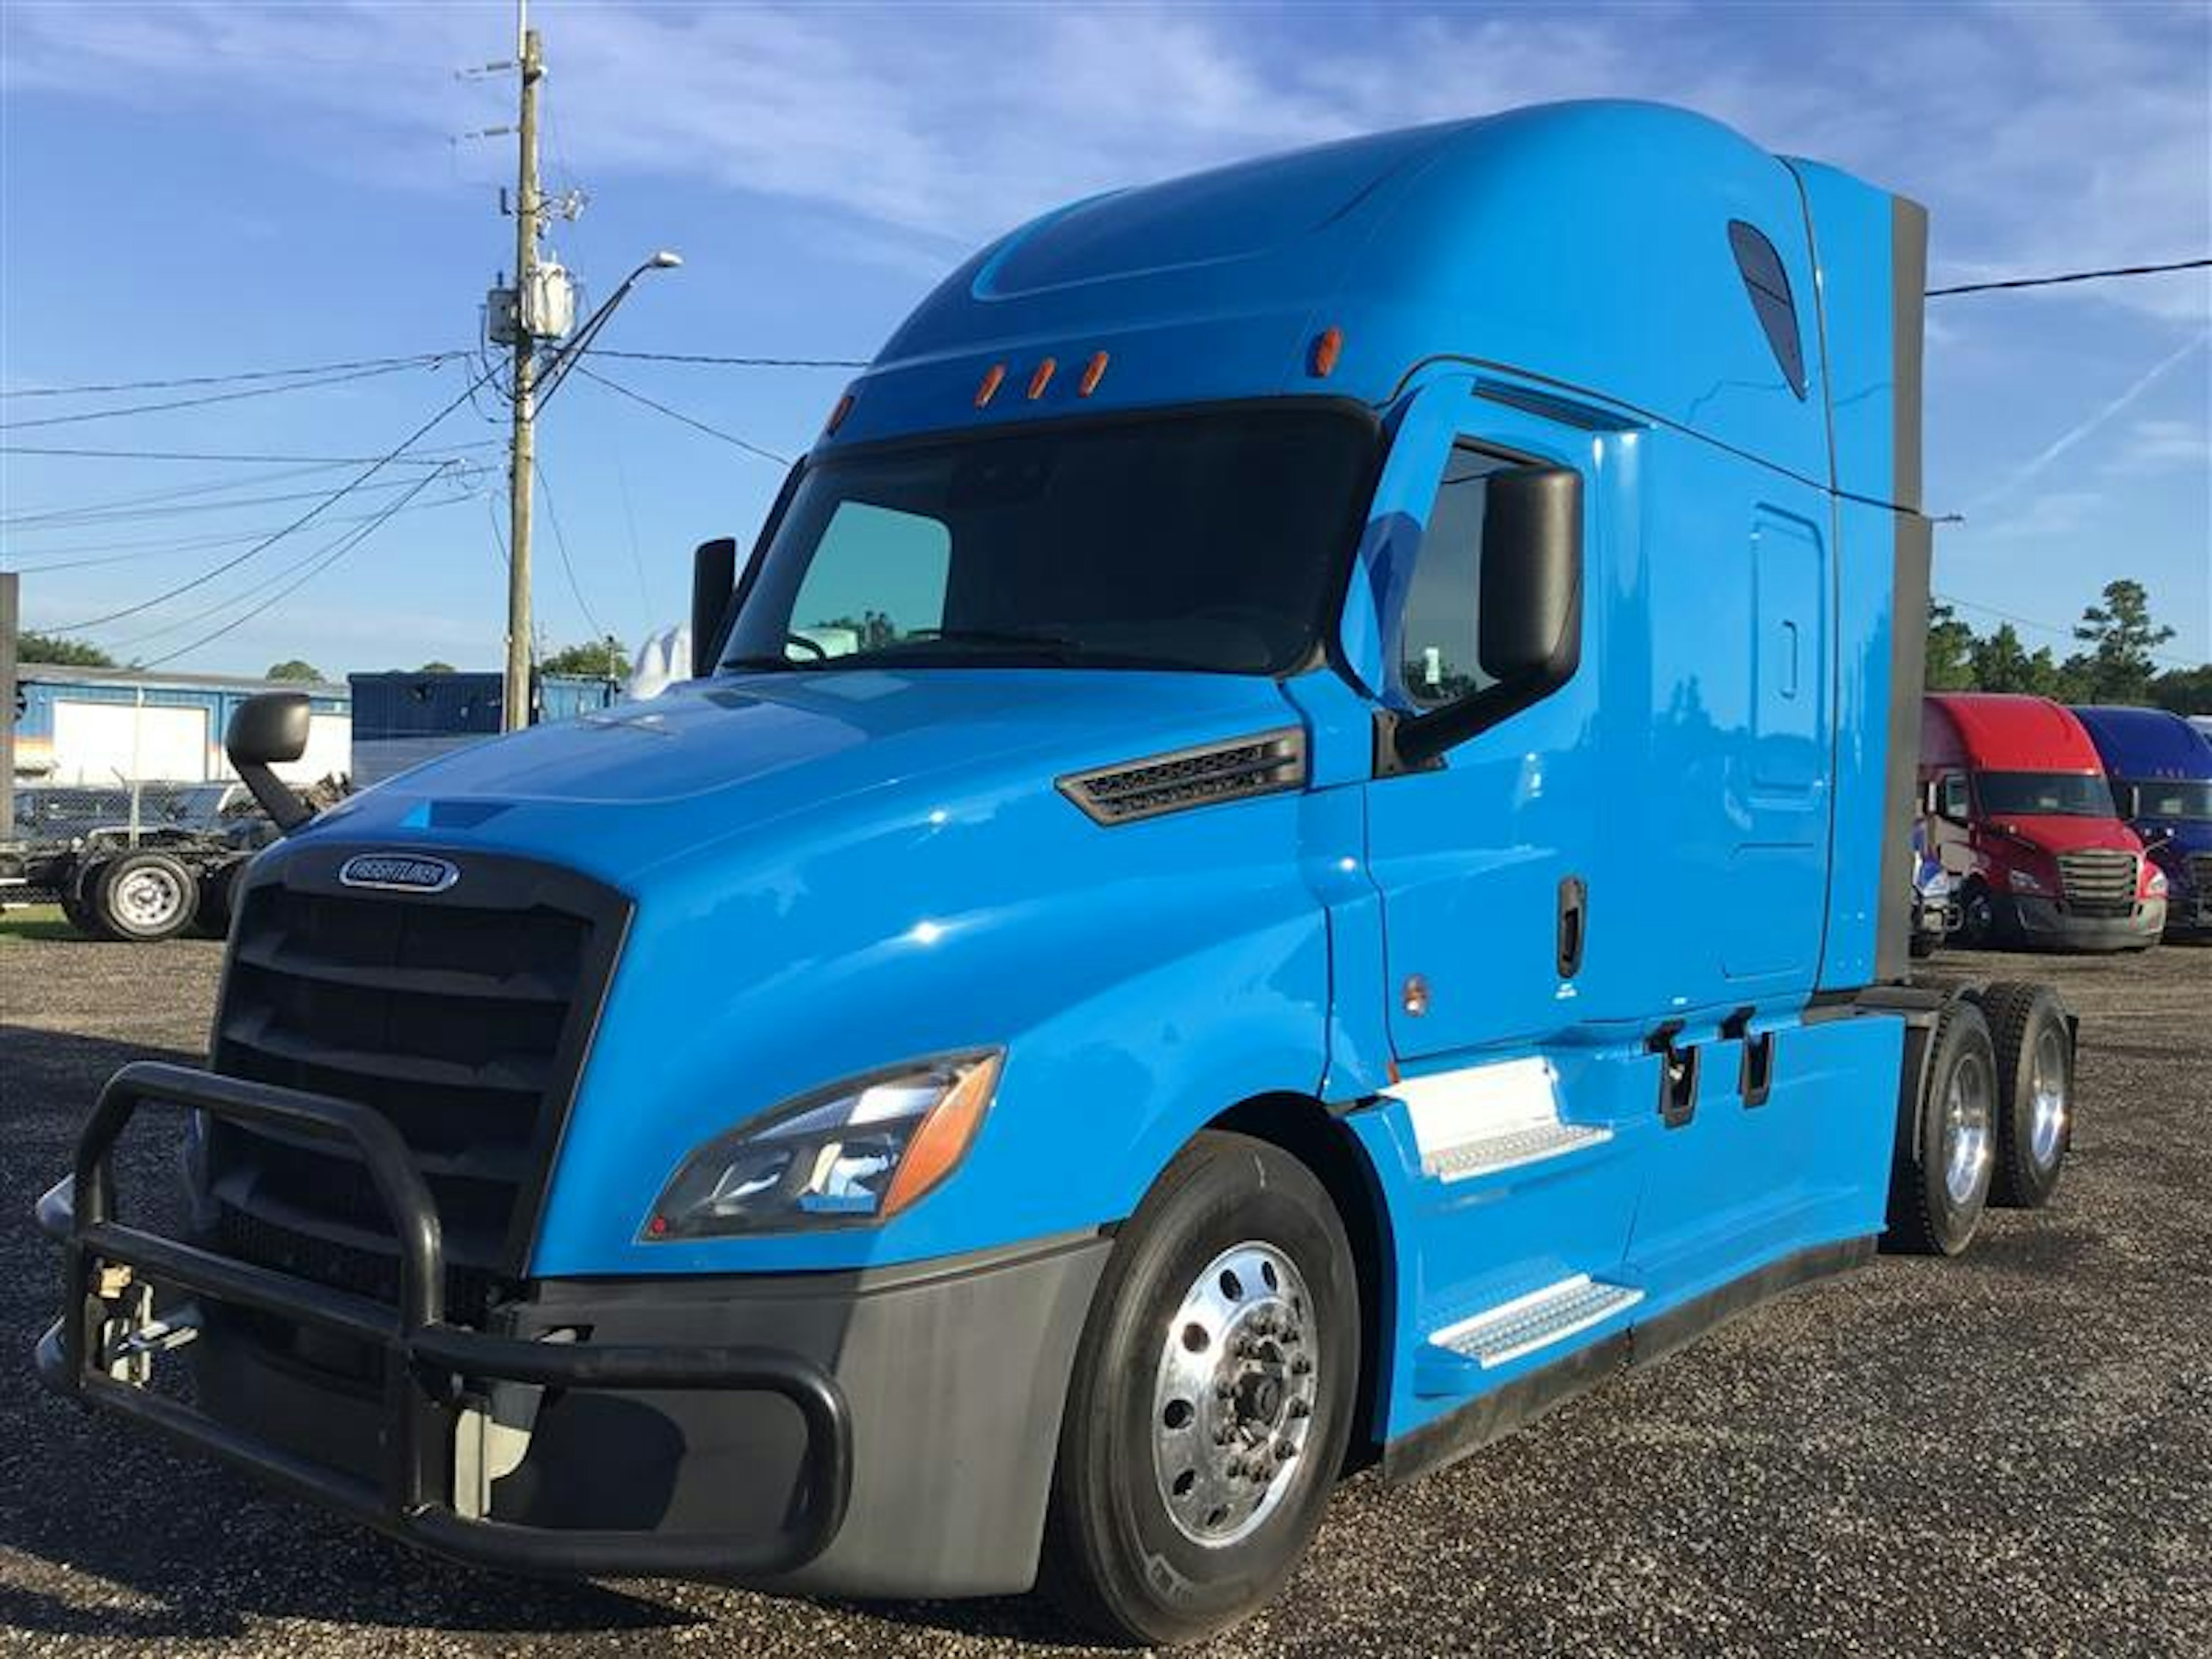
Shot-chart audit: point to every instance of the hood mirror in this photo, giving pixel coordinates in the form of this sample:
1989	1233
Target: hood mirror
266	731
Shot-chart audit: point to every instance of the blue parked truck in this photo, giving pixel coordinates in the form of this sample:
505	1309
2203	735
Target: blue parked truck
2161	770
1290	849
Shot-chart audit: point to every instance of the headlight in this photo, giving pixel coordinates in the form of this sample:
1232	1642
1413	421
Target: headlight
852	1154
2024	881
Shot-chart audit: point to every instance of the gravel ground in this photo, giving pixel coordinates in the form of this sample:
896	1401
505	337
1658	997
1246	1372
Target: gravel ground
2010	1454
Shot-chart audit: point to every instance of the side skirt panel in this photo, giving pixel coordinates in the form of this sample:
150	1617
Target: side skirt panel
1497	1414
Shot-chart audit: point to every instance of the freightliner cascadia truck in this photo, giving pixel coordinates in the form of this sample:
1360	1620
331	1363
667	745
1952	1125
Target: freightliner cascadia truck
1290	848
2021	812
2159	767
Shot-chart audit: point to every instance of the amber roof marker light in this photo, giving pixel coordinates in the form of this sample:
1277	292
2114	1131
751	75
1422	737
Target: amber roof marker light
838	414
1042	378
994	378
1093	372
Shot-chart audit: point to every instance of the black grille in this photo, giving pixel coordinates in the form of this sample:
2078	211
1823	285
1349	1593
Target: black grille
1263	765
461	1017
2098	882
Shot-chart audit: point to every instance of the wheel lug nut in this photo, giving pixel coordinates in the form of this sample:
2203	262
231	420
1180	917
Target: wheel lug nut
1300	1408
1285	1451
1301	1364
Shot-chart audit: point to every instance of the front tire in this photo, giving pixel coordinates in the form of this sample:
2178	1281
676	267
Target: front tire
1941	1184
1212	1400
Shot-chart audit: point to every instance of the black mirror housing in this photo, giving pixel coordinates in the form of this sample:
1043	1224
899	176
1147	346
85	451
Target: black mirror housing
270	729
713	579
1530	626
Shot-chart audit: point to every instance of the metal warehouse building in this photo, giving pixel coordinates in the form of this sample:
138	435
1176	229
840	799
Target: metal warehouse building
101	726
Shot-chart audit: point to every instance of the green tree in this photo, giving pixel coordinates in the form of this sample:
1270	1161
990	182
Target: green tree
2183	691
2002	663
1950	650
596	660
434	666
2118	666
294	668
31	645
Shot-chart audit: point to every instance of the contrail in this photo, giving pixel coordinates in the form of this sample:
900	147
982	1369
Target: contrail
2073	436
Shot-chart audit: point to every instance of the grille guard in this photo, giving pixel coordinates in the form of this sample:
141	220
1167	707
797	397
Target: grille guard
425	1361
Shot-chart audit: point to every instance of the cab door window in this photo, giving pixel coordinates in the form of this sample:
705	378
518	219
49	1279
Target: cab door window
1438	657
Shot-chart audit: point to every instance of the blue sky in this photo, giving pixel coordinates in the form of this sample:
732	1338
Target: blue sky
190	189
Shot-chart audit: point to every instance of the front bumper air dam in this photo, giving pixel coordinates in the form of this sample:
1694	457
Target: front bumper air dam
887	1431
2048	925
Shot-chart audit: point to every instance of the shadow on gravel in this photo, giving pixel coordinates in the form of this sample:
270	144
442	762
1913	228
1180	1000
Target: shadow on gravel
105	1533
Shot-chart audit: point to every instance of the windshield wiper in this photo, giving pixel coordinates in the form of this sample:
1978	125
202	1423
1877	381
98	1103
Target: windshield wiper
1006	636
763	662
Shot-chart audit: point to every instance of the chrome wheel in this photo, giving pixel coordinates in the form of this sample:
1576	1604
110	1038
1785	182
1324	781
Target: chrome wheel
1233	1398
1968	1109
2046	1083
148	897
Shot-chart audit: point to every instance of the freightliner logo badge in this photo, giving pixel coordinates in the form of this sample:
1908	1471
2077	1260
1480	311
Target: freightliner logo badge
398	872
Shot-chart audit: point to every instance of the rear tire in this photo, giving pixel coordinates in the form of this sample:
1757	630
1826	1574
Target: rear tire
1212	1400
145	896
77	899
1941	1183
211	917
2035	1090
1977	918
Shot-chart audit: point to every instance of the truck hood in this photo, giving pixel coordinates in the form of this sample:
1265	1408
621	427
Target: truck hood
617	792
2058	833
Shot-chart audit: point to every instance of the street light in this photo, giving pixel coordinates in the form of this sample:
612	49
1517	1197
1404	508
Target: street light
556	367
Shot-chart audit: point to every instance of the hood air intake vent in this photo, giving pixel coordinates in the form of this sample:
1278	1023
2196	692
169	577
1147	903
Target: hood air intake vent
1242	767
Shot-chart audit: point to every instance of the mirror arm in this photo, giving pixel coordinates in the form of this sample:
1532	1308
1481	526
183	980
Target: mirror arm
285	809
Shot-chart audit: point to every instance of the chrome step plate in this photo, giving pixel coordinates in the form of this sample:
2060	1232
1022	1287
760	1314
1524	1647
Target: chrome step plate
1527	1323
1491	1153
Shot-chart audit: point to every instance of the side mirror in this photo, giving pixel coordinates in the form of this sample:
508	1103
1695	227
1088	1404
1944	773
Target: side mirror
270	730
1529	626
714	577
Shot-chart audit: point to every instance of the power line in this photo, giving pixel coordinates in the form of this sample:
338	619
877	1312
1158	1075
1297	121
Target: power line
2070	276
2063	632
182	492
677	414
128	552
345	546
561	546
431	460
732	362
173	509
225	380
328	502
227	397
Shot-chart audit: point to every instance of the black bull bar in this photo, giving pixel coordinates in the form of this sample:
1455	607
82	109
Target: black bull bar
426	1363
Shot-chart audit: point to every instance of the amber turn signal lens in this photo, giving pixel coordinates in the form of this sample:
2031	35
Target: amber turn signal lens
994	378
1327	350
943	1136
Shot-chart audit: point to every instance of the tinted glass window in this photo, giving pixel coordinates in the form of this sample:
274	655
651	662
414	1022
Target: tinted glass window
2172	797
1768	284
1210	539
1437	654
2055	795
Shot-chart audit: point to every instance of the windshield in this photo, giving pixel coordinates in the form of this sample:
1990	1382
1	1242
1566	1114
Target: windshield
2189	798
2045	794
1211	540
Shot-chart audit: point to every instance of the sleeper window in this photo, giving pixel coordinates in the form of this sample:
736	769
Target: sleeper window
1768	286
1438	659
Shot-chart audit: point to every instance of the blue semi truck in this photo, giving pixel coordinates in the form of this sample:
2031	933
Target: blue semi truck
1290	849
2160	769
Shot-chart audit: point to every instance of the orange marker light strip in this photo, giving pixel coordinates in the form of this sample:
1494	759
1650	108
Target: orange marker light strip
994	378
1327	350
944	1136
1041	378
838	416
1093	372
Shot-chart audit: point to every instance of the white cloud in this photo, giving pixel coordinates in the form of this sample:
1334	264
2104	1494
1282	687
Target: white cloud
2042	136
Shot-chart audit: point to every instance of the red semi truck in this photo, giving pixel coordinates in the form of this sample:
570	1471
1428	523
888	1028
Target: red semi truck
2019	809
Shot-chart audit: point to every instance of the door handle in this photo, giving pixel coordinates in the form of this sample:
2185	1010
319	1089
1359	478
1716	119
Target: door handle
1574	924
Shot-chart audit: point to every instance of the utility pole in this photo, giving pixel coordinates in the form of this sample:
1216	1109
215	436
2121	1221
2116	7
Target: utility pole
8	689
515	703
